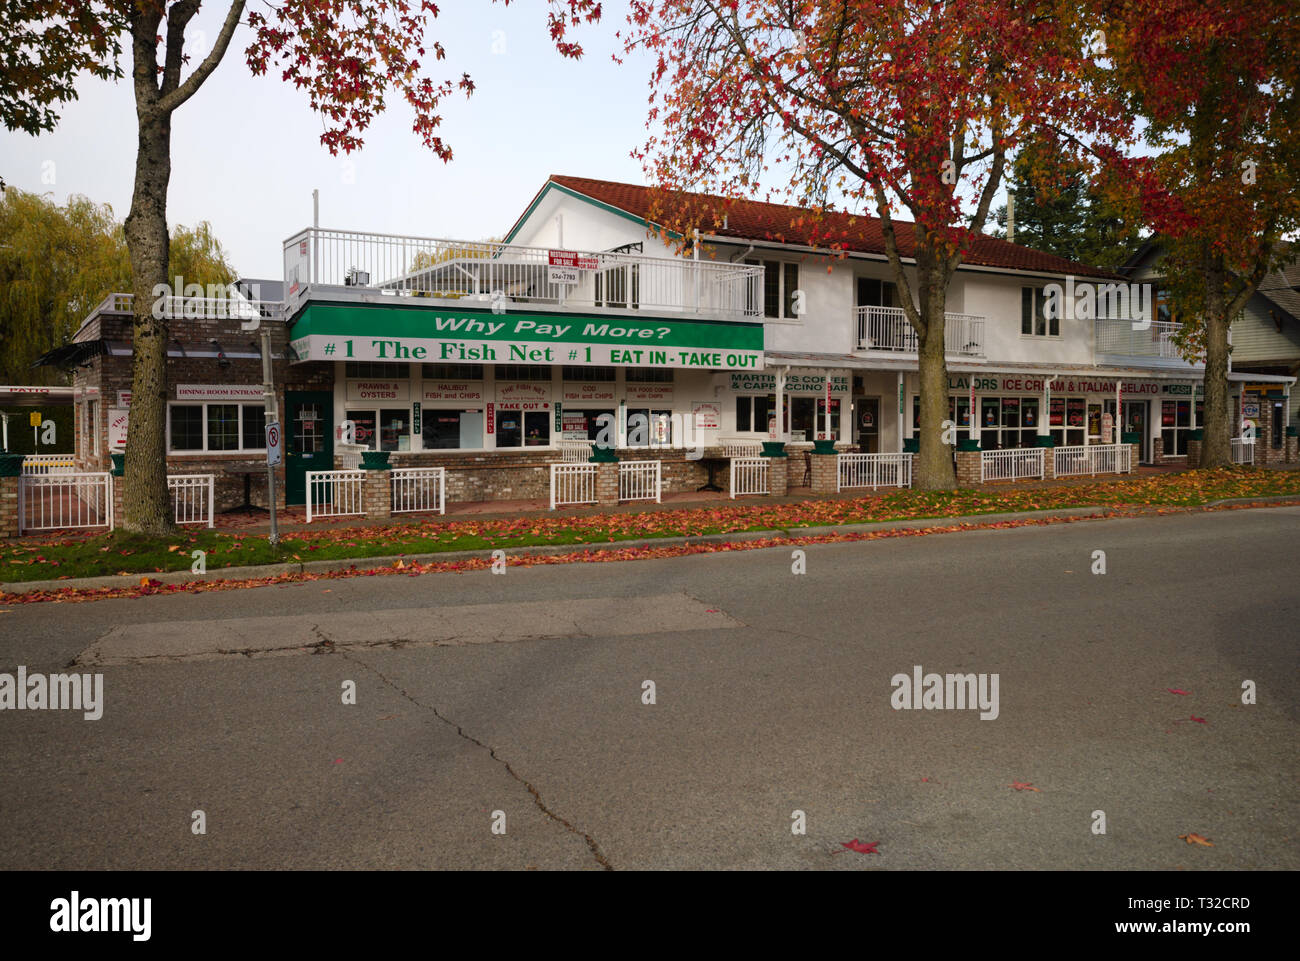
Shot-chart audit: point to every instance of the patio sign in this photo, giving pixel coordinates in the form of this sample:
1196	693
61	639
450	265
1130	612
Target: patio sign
376	332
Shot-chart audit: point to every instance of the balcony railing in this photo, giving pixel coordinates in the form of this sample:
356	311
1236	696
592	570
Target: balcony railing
490	273
887	328
1119	338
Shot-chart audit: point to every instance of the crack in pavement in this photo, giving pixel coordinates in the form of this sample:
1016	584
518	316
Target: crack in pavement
592	845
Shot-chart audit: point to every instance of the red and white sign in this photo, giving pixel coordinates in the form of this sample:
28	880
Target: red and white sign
118	418
707	416
650	392
523	396
123	398
219	392
568	258
454	392
588	393
491	418
389	390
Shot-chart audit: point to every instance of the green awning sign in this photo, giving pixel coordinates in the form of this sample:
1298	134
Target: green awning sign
379	333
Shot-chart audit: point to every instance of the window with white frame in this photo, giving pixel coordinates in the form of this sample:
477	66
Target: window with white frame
1034	321
217	428
780	281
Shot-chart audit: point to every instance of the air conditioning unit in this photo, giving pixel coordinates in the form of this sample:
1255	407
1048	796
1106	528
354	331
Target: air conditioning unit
356	278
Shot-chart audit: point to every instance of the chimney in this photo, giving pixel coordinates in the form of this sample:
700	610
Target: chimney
1011	217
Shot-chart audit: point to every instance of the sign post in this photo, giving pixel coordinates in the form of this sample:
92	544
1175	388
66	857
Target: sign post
274	438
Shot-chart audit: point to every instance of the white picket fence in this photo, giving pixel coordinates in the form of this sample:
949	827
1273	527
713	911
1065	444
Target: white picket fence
639	480
740	448
573	484
334	493
1242	453
749	475
193	498
39	464
420	489
1013	464
873	470
53	502
575	451
1092	459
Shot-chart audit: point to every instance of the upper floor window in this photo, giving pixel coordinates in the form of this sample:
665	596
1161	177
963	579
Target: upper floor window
523	372
780	281
364	370
648	375
1033	319
590	374
877	293
452	371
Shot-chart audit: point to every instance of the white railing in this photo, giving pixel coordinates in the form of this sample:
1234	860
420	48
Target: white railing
1014	464
638	480
1093	459
35	464
574	451
887	328
495	272
1242	452
201	308
573	484
873	470
749	475
1118	337
193	498
419	489
741	448
334	493
53	502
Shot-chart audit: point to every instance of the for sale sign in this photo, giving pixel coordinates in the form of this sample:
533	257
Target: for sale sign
572	260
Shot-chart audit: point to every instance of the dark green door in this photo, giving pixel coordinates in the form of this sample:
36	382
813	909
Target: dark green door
310	436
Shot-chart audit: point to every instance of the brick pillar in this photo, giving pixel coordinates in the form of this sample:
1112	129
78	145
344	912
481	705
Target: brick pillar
1158	451
1135	457
968	468
1292	446
825	473
778	476
1049	463
377	494
118	483
9	500
1194	453
607	484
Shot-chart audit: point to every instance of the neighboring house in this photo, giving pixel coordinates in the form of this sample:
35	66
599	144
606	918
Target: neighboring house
1265	341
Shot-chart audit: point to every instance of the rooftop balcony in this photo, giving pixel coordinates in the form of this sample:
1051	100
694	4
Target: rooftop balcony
487	274
887	329
1119	340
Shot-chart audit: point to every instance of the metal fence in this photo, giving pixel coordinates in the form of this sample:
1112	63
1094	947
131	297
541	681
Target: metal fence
419	489
887	328
573	484
741	448
193	498
496	272
37	464
639	480
53	502
1121	338
334	493
1015	464
749	475
1242	452
1092	459
873	470
575	451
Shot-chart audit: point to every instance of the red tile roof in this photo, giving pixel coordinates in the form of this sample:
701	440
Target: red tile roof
755	220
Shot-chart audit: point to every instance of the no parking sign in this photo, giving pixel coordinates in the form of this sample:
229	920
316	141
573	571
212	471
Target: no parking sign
273	439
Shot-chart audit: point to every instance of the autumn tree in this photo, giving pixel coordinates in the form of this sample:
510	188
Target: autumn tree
58	262
911	105
1217	87
347	56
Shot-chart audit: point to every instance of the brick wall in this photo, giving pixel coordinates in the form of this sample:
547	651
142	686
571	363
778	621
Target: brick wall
825	471
968	468
8	507
377	494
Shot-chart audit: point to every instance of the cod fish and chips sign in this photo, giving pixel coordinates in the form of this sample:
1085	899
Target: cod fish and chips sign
434	335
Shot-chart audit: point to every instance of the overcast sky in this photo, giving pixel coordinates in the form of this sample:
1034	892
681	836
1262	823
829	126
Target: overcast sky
246	151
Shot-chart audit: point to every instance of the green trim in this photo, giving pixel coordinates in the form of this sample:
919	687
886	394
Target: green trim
11	465
968	445
119	464
823	447
911	445
375	460
609	208
1198	434
1044	440
602	455
773	448
1130	437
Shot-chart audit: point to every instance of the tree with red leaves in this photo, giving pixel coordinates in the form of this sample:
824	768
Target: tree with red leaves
911	104
347	55
1218	86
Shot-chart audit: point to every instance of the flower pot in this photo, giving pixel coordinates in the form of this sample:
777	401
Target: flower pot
119	464
823	447
773	448
375	460
602	455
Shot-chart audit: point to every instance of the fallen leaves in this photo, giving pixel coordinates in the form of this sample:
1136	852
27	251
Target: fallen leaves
1196	839
861	847
1024	786
1174	690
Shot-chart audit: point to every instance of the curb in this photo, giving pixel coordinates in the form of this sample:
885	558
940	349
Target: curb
362	564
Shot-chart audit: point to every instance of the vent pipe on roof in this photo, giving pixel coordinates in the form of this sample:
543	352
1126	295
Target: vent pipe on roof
315	208
1011	217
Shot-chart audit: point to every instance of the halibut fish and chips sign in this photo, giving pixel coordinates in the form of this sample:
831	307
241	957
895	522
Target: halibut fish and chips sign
402	334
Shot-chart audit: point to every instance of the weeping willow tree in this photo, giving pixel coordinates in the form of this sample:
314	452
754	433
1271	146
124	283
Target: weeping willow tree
58	262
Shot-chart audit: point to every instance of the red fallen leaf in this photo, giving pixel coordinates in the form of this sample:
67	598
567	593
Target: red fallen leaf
1199	720
712	610
1024	786
338	760
1174	690
861	847
1196	839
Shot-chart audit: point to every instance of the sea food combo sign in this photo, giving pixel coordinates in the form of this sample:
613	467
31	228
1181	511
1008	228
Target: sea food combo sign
436	335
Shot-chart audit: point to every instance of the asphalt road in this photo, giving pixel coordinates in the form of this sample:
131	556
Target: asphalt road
522	693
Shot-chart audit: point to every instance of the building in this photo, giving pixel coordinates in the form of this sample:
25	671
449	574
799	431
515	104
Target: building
494	359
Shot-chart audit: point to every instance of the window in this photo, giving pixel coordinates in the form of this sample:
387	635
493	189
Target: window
649	428
223	428
613	285
649	375
780	281
877	293
752	413
591	420
388	429
1176	425
452	429
451	372
1033	319
365	370
590	374
528	428
523	372
808	416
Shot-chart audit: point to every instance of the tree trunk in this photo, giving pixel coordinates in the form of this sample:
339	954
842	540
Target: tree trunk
1216	446
146	504
934	468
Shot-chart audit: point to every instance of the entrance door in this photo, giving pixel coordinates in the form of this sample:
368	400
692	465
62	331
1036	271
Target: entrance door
310	435
868	411
1135	422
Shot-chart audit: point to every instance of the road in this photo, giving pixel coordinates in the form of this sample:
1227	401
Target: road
523	694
